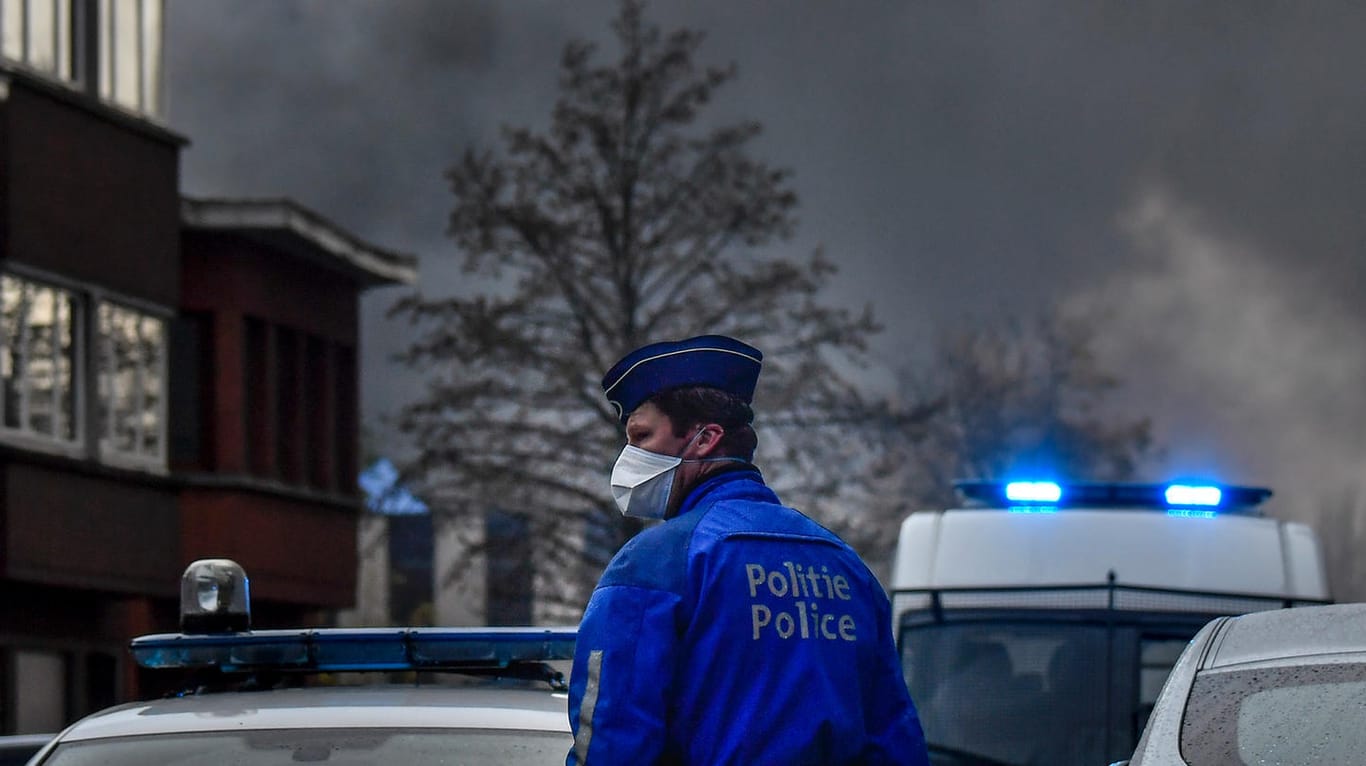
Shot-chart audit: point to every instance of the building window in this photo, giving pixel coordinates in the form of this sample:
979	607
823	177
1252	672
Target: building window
190	392
299	394
38	360
123	65
346	446
321	413
46	375
258	396
289	404
132	380
42	707
130	53
38	33
43	689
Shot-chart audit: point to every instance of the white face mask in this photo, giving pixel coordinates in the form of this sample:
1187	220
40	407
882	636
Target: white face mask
643	480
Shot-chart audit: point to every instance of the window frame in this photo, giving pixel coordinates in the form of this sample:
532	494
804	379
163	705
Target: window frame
91	45
87	397
104	423
147	56
83	694
26	437
64	45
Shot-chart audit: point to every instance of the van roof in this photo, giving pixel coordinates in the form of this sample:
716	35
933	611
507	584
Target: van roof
1214	553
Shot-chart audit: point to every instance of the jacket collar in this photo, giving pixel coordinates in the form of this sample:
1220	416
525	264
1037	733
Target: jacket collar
739	481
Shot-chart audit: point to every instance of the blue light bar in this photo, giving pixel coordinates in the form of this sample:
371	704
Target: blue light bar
355	649
1188	495
1033	492
1102	495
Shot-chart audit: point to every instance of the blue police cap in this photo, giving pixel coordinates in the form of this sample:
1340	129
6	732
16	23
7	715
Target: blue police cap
714	361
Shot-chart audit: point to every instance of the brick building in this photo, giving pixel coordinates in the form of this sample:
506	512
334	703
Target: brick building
178	378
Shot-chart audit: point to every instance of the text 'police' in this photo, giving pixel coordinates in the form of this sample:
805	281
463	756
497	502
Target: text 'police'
806	592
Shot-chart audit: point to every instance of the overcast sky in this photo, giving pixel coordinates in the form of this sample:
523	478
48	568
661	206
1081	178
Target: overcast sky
1195	170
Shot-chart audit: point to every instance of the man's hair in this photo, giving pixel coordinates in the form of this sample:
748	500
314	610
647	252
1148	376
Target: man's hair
690	406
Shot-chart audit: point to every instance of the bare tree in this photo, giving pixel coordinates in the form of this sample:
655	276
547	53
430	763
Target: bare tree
1021	398
624	222
995	400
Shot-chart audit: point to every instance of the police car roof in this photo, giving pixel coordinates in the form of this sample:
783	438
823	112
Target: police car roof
434	707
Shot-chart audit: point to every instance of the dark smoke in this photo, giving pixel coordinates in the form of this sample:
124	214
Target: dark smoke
1193	168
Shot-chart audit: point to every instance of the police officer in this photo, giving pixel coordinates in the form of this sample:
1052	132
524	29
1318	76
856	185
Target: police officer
738	631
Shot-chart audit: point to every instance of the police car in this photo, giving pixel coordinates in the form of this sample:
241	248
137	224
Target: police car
289	696
1038	620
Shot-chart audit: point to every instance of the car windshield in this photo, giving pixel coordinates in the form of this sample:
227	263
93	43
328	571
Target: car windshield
335	747
1301	714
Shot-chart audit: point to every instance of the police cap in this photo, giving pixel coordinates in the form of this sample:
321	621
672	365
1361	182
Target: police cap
714	361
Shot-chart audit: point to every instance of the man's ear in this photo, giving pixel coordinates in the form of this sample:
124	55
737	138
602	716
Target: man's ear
709	439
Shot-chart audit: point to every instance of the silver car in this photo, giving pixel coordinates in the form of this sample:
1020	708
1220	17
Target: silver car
1281	687
335	725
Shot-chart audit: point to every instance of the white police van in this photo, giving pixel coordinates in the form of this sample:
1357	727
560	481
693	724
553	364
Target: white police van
1038	622
282	696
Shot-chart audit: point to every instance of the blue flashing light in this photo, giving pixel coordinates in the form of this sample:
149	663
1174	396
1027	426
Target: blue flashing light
1033	492
1188	495
355	649
1226	499
1191	513
1032	509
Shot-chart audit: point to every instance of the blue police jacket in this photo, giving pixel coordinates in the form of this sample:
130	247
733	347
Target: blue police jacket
739	632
